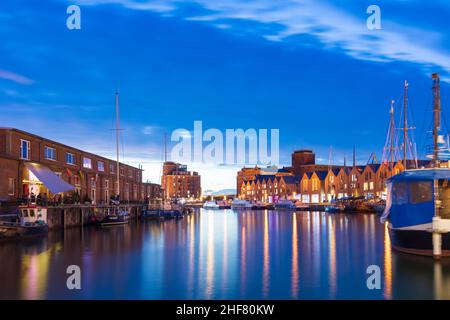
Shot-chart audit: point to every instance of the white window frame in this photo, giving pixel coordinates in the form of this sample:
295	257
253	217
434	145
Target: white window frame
101	167
85	163
49	153
28	144
71	156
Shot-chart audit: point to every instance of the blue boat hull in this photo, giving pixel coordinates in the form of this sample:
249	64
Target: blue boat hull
417	242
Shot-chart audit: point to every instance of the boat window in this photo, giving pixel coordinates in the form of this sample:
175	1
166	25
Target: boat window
399	192
24	213
444	196
31	213
421	191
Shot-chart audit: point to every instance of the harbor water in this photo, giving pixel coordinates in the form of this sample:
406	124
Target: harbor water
223	254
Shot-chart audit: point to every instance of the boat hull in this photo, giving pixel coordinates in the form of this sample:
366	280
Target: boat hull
110	221
22	232
418	242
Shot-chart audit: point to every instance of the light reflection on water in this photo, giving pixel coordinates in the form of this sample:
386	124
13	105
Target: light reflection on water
222	254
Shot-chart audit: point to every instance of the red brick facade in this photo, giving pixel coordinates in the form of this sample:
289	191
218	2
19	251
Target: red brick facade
93	176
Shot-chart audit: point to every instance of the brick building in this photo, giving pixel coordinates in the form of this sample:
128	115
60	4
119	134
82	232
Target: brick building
318	183
178	182
92	177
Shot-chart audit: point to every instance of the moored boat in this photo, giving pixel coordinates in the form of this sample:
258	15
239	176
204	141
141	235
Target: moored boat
285	205
418	211
239	204
334	207
115	216
210	205
30	222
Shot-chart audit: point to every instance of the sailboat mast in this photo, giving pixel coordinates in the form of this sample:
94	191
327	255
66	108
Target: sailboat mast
436	115
392	133
405	122
117	145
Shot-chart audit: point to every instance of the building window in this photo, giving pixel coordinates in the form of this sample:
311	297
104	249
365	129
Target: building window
106	190
122	171
101	166
371	185
87	163
11	186
93	183
70	158
366	186
25	149
112	169
50	153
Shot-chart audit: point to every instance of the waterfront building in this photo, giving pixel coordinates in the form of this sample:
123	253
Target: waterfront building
178	182
31	165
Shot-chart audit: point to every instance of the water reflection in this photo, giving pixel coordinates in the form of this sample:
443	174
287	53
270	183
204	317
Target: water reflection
223	255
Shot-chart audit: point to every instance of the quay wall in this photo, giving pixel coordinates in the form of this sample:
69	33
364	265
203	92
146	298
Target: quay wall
77	216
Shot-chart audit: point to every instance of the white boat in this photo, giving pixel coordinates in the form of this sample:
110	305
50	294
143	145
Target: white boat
210	205
239	204
30	222
285	205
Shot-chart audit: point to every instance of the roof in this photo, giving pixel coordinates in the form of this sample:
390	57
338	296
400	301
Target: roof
422	175
374	166
335	171
321	174
264	177
291	179
309	174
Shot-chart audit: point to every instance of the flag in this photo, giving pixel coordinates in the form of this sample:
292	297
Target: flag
69	173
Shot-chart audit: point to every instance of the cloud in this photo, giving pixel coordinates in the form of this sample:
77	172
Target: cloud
17	78
334	27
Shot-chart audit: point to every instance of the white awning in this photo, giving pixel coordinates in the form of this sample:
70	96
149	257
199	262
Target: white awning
50	179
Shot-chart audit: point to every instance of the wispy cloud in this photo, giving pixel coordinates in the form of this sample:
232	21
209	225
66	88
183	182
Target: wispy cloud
11	76
333	26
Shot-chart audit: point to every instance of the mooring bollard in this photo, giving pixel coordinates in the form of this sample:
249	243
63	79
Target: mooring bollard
437	238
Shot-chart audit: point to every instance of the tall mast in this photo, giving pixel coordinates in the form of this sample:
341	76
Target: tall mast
436	115
392	133
405	122
117	145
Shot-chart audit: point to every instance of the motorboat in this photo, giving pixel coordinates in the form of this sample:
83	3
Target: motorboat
210	205
240	204
31	221
284	204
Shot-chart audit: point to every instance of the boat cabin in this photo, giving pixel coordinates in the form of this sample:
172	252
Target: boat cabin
415	197
32	214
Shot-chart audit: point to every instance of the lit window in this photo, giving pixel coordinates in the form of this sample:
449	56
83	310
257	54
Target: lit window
101	166
50	153
25	149
70	158
371	185
87	163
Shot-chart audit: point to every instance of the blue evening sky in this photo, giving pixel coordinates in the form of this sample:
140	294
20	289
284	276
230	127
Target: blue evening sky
311	69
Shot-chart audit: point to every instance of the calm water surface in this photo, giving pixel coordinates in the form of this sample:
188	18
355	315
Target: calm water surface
222	254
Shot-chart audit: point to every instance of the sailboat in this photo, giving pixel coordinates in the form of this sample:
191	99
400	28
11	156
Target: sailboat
164	209
115	215
418	200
